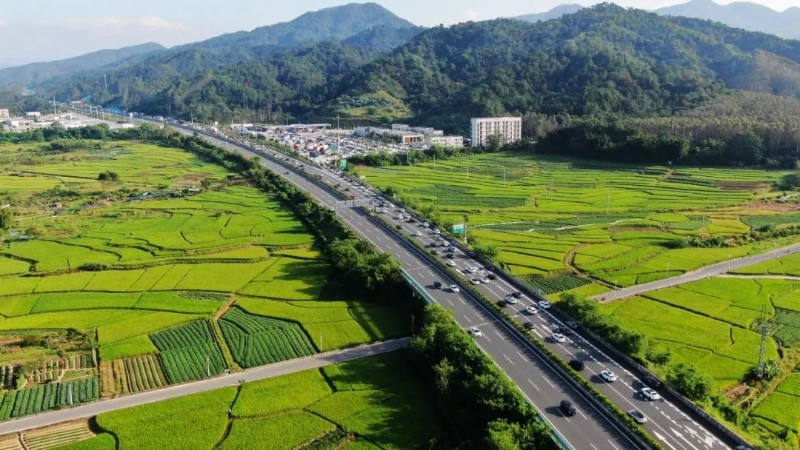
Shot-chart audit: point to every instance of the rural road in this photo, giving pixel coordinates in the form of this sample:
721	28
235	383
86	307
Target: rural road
697	275
254	374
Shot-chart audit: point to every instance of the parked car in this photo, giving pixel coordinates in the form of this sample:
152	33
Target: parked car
638	416
577	364
567	408
649	394
608	376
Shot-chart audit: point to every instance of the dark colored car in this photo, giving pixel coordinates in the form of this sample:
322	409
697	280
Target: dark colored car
488	267
434	252
653	382
449	256
437	284
491	276
528	325
502	303
567	408
576	364
572	324
517	294
399	227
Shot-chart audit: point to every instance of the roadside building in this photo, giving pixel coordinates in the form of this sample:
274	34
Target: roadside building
33	114
4	114
508	129
446	141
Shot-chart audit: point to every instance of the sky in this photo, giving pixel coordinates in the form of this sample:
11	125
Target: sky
46	30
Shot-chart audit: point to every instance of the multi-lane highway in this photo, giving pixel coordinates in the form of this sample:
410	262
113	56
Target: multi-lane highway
535	376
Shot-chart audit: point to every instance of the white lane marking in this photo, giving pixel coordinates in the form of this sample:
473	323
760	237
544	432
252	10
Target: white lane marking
533	384
521	355
548	382
508	359
468	319
612	444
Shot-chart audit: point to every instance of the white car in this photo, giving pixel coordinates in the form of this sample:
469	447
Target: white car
454	288
560	338
637	416
530	310
475	281
484	280
544	304
511	300
451	263
649	394
608	375
475	331
469	269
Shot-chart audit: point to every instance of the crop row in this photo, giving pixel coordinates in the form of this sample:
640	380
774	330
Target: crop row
256	340
192	363
557	284
780	219
42	398
188	335
143	373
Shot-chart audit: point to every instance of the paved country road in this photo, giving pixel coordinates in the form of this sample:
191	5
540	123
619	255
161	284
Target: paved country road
697	275
254	374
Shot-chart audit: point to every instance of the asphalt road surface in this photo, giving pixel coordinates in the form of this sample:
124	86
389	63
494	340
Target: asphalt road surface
697	275
254	374
673	428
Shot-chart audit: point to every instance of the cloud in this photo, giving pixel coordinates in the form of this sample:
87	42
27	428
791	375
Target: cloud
471	15
106	24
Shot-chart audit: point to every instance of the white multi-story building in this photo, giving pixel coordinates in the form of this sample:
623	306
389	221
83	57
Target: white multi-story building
446	141
508	128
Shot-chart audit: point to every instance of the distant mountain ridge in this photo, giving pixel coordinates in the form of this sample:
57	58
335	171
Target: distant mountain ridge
29	74
745	15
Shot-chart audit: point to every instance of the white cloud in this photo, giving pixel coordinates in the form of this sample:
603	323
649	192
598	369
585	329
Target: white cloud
158	23
471	15
106	24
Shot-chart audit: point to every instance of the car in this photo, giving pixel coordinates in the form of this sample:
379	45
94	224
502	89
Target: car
560	338
567	408
649	394
577	364
530	310
528	325
572	324
517	294
653	382
511	300
451	263
399	227
416	234
453	288
502	303
544	304
434	252
475	331
286	173
449	256
470	269
637	416
491	276
608	376
437	284
434	244
475	281
484	280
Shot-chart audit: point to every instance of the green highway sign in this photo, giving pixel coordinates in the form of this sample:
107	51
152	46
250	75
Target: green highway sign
458	228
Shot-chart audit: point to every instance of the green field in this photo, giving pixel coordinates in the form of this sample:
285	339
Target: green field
547	216
142	267
375	402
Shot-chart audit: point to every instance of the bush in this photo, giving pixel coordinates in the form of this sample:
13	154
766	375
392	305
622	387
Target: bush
6	219
108	176
689	382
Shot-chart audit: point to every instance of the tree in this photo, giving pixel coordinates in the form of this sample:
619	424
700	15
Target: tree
689	382
444	372
108	176
6	219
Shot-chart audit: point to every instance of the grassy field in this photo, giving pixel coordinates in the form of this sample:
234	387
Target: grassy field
548	216
143	269
375	402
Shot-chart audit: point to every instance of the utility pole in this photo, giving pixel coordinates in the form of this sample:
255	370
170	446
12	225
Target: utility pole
412	324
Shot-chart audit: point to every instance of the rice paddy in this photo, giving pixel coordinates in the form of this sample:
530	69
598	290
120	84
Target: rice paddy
153	267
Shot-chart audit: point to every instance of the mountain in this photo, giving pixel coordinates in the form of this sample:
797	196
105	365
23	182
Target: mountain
149	83
31	74
554	13
745	15
600	60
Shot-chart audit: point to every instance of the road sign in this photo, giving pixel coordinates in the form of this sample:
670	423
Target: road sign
458	228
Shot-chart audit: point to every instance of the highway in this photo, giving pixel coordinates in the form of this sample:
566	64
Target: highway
673	428
697	275
536	378
180	390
